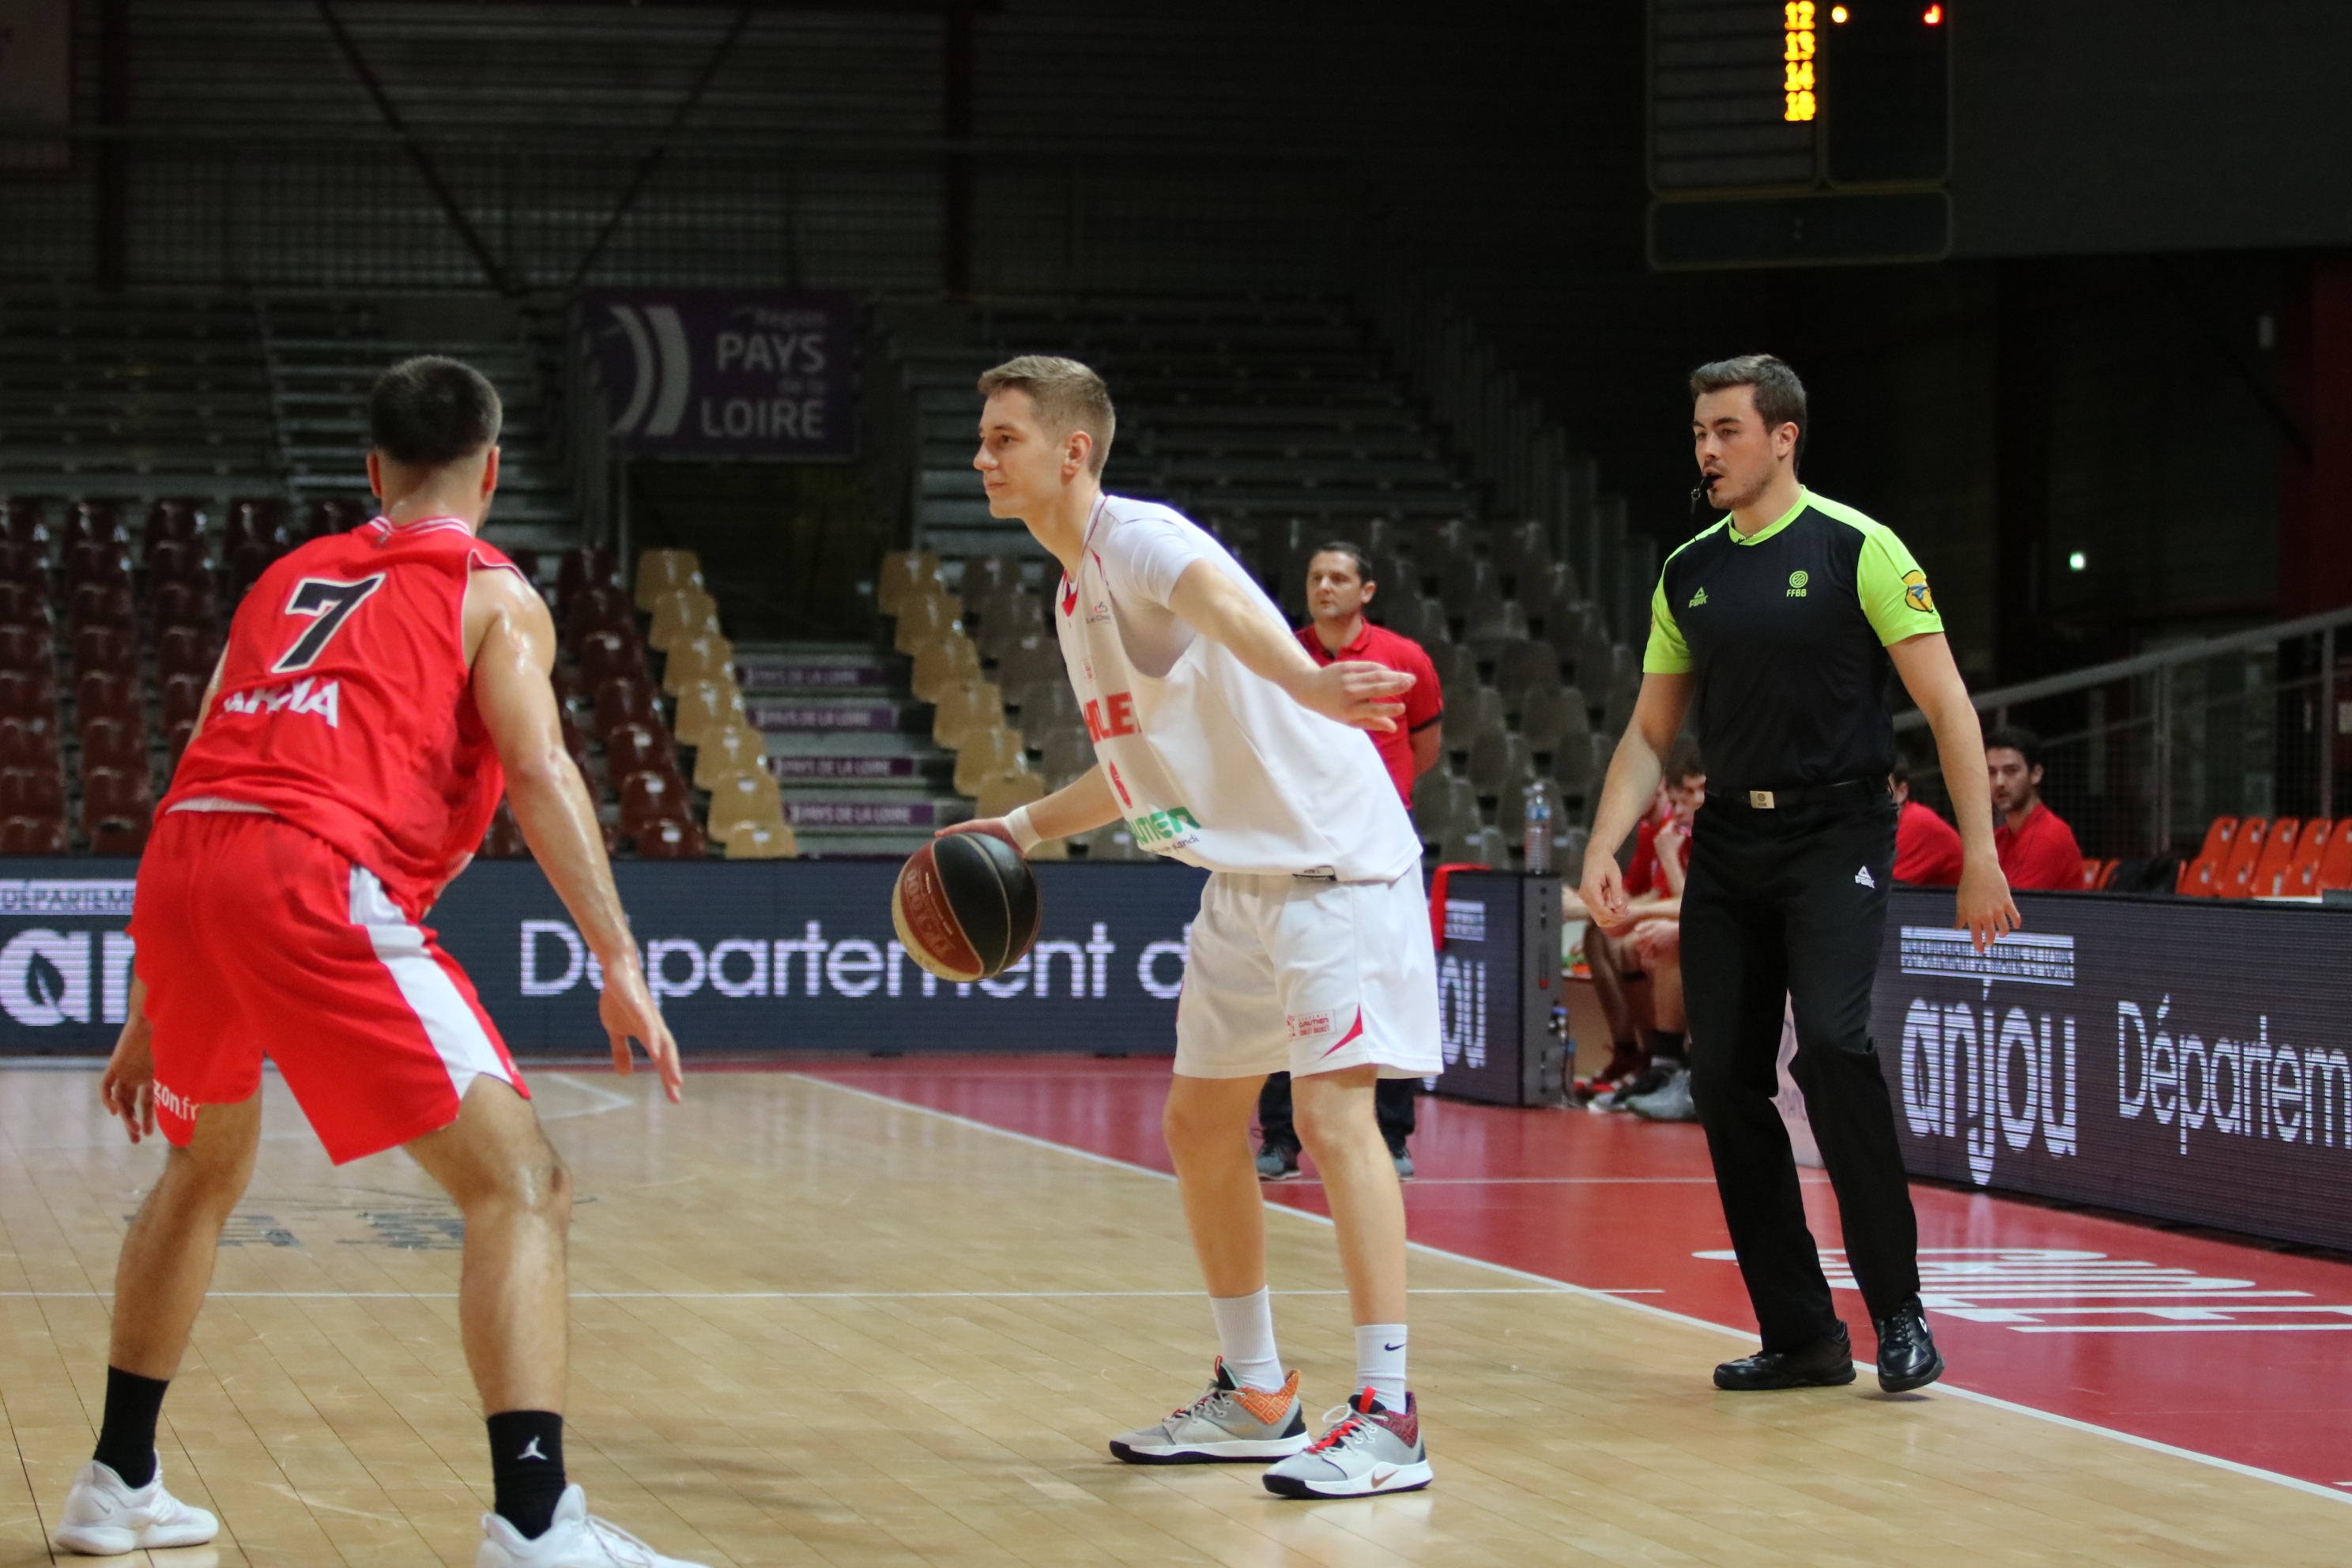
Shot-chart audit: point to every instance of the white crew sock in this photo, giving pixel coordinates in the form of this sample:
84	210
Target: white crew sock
1379	1362
1245	1338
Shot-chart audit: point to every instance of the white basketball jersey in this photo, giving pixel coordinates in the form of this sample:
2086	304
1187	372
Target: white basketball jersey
1211	765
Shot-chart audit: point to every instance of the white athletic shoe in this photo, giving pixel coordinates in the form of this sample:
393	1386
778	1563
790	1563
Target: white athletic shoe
1228	1425
104	1518
576	1540
1373	1449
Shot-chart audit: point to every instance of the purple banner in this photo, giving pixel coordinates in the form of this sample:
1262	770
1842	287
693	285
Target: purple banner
725	373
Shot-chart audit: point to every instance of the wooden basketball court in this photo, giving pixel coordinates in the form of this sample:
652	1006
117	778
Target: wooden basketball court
815	1326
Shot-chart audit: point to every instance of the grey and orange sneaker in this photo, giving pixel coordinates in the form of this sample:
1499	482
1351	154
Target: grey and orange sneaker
1228	1425
1372	1451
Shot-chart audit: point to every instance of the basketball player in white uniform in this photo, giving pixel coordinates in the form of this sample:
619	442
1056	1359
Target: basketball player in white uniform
1224	745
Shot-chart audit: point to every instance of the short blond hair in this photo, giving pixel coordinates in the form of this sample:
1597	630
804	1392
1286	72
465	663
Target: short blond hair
1067	394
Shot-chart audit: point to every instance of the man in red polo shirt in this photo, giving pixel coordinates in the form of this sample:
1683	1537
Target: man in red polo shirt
2037	849
1927	847
1338	589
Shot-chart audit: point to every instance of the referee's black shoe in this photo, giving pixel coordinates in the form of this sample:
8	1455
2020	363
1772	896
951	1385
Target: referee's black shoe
1907	1357
1825	1364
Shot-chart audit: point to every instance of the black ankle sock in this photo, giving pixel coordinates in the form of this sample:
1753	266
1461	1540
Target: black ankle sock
1665	1044
527	1467
126	1438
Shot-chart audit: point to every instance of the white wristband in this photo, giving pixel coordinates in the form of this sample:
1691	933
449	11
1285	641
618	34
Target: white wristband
1016	822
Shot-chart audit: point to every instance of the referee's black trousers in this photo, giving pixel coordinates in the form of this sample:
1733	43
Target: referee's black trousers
1790	903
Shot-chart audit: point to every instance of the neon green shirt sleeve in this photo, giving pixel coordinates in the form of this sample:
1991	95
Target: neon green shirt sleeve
1667	654
1893	591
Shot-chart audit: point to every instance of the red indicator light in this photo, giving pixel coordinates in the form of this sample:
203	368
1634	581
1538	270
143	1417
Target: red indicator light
1935	16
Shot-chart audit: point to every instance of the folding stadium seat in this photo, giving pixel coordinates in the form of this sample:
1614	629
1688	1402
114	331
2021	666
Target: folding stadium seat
20	516
1413	614
2269	869
184	699
647	797
1582	776
1524	668
1478	846
1448	541
635	749
607	608
1456	667
105	647
1555	722
29	694
2334	873
27	645
34	791
29	744
610	654
965	708
2235	877
1467	586
89	563
1031	660
21	607
706	706
1554	602
102	605
1470	714
1522	553
115	795
2106	876
671	838
1444	804
2219	837
1010	618
177	733
124	837
1065	756
941	664
244	563
184	650
2196	877
762	842
173	562
746	799
1501	765
186	604
625	700
27	569
706	657
583	568
986	754
1048	703
663	571
905	573
2302	878
527	562
1001	794
992	573
33	835
733	749
176	521
107	694
243	522
97	526
1493	627
111	743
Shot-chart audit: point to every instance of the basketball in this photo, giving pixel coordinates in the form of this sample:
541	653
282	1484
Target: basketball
965	906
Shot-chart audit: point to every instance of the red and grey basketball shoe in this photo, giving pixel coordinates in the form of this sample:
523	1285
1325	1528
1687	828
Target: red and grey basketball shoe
1373	1449
1625	1064
1228	1425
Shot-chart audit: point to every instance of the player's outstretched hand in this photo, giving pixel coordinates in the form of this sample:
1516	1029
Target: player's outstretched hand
991	825
1603	887
629	1013
1985	910
128	1089
1357	693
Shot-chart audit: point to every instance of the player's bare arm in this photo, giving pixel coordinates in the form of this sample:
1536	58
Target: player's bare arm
1634	770
1361	695
1083	805
1924	662
511	644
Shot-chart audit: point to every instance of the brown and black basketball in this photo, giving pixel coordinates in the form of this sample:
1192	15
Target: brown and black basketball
966	906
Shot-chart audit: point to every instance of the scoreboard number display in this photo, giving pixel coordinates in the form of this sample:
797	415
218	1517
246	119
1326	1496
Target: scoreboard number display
1794	131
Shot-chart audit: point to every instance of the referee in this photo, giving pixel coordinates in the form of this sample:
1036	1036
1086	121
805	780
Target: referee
1780	621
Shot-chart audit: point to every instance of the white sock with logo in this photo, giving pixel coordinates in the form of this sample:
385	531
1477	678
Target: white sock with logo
1245	1338
1379	1362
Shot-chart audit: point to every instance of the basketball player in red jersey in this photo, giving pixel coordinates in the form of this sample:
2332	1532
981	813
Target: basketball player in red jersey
380	690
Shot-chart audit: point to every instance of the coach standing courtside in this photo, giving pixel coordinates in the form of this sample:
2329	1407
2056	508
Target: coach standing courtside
1780	621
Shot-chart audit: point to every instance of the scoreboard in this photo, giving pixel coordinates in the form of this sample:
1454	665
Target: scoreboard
1793	132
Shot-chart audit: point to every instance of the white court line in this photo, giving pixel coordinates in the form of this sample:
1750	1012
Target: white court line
1566	1288
760	1295
1548	1181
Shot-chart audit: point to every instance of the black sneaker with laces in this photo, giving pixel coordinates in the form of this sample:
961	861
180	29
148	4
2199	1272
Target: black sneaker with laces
1827	1363
1907	1356
1277	1162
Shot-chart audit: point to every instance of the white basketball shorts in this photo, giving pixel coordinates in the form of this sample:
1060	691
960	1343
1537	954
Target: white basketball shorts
1287	975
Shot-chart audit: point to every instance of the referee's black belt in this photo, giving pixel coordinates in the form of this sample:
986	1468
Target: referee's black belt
1849	792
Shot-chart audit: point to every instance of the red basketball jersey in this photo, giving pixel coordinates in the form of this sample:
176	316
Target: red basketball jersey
346	704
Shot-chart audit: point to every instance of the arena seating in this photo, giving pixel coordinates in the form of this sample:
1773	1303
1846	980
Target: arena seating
2253	857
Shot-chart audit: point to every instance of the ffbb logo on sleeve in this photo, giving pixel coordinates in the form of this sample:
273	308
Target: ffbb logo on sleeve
1916	594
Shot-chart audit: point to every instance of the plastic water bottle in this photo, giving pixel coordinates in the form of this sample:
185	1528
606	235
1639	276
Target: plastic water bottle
1538	831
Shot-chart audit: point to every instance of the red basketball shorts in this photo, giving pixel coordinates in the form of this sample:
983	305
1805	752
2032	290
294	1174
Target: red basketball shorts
256	938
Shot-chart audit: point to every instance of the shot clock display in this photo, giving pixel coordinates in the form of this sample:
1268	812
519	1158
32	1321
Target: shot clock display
1833	109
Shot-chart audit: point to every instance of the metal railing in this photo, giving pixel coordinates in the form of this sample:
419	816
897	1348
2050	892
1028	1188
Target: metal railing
2140	754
